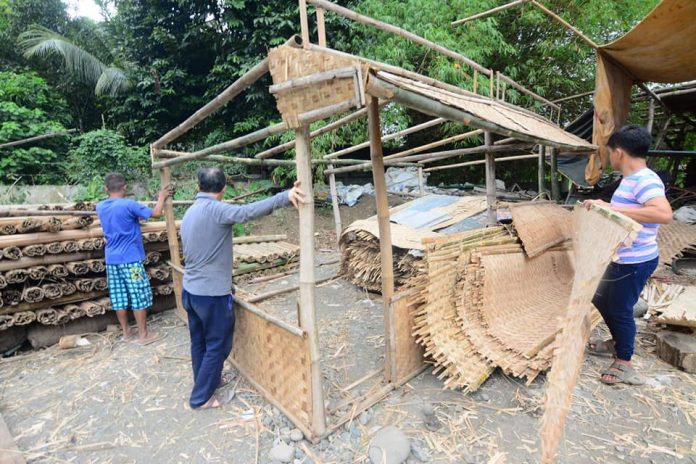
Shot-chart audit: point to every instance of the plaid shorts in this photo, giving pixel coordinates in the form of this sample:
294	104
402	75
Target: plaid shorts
129	286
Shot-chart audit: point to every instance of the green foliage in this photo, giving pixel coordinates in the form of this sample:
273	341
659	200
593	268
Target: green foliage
99	152
28	108
92	190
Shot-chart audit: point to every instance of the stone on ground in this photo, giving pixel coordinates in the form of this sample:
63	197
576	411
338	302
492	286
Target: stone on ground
282	452
389	446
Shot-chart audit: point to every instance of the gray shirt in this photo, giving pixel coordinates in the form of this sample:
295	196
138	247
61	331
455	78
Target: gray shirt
206	234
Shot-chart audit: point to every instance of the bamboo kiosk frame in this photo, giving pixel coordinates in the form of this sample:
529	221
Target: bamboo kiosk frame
282	360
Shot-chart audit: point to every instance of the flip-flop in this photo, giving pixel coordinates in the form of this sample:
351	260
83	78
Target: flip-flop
219	400
604	348
622	374
153	337
225	379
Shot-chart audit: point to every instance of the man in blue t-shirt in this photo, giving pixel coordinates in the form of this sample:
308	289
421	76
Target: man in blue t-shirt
129	285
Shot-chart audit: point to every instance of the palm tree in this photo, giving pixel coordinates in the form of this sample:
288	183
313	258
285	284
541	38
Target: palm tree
40	42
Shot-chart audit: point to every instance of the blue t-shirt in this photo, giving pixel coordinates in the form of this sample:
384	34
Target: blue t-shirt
120	220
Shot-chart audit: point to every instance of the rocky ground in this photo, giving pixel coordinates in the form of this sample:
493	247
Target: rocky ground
118	402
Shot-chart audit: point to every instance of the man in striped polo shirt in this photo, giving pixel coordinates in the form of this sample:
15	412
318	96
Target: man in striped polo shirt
640	196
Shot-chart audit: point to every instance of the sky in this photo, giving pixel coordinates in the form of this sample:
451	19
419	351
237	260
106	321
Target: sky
84	8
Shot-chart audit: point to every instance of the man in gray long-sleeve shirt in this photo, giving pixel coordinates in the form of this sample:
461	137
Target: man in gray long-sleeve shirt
206	234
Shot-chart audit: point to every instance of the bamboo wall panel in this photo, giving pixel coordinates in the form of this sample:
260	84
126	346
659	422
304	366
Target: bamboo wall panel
277	361
674	238
409	354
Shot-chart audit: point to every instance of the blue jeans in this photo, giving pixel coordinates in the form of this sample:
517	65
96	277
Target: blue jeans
616	295
211	325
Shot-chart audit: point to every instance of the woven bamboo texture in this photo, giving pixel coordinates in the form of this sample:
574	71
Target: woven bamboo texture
277	360
682	310
409	354
591	258
286	63
674	238
541	225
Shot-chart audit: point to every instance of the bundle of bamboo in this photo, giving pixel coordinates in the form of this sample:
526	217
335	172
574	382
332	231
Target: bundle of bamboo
57	272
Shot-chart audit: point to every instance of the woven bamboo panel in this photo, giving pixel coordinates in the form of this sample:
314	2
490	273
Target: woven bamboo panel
409	354
592	257
276	360
288	63
541	225
673	238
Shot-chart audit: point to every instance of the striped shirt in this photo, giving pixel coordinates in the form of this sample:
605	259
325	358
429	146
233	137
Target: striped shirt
633	192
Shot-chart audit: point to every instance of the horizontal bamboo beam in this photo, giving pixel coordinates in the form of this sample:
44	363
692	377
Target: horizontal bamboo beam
37	138
259	238
235	144
221	100
45	304
253	161
33	212
489	12
573	97
439	143
483	161
326	112
438	156
345	12
314	79
401	133
282	291
436	108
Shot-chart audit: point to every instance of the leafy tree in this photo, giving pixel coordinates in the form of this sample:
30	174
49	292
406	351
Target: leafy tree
96	153
28	108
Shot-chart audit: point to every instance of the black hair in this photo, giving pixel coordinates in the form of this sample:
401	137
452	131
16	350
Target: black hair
114	182
211	180
633	139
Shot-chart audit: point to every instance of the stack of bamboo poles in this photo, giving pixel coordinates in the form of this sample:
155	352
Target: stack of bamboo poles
52	269
263	254
361	263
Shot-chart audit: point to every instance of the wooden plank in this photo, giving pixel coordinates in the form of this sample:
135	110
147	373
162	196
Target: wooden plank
9	453
376	155
307	278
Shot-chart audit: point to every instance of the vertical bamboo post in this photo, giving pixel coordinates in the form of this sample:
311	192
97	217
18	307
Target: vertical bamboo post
385	242
421	181
307	308
542	168
555	187
475	80
334	204
651	115
490	181
321	27
304	23
173	239
497	85
491	83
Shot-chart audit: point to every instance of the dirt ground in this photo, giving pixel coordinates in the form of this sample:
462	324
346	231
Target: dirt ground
118	402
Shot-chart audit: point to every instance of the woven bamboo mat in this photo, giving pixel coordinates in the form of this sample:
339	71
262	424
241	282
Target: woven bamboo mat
592	257
673	238
541	225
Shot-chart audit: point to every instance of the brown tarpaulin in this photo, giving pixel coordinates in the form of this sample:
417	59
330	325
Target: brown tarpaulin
661	48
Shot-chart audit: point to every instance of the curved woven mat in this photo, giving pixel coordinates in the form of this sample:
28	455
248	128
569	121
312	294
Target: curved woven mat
541	225
673	238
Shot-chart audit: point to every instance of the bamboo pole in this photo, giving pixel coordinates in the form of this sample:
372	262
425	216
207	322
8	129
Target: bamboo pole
326	112
314	79
507	6
421	182
36	138
565	24
307	278
33	212
221	100
321	131
226	146
446	141
524	90
334	205
304	22
259	238
541	168
282	291
249	306
651	116
401	133
345	12
441	155
385	244
321	27
555	187
170	154
75	297
573	97
490	181
174	251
